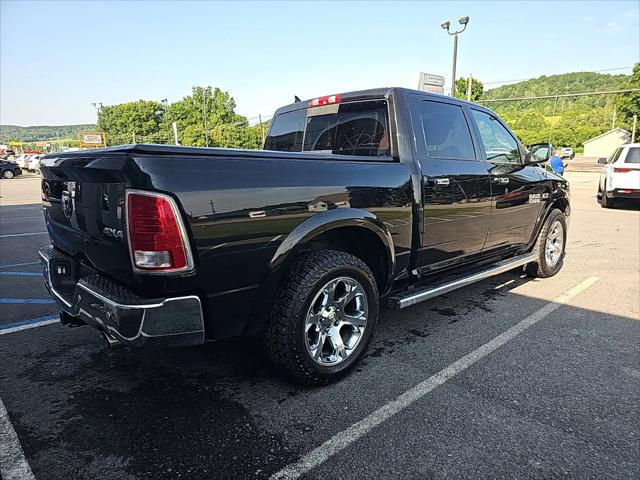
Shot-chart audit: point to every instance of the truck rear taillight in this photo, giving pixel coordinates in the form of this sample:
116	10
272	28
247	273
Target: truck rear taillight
328	100
157	238
622	170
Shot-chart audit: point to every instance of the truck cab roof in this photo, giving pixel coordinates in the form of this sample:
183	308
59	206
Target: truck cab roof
369	94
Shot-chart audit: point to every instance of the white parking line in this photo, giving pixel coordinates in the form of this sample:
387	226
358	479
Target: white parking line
20	218
19	264
8	328
343	439
13	463
24	234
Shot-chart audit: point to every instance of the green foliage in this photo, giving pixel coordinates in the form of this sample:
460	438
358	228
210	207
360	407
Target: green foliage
476	88
571	120
150	122
131	122
628	104
14	133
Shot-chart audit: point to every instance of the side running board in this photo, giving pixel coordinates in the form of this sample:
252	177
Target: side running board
406	299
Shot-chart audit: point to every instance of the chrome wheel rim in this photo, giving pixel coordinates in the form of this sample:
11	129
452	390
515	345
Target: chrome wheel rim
336	321
555	244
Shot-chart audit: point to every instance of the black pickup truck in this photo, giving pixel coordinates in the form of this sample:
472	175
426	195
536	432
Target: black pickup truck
382	197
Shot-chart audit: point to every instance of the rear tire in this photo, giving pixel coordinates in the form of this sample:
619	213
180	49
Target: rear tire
605	201
7	174
550	246
323	317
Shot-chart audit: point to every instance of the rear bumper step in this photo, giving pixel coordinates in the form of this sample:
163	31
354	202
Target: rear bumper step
118	313
417	295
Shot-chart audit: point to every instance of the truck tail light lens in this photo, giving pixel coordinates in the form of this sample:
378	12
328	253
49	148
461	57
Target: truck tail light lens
328	100
622	170
157	238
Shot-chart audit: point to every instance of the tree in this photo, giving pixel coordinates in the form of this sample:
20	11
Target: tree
132	122
150	122
476	88
628	104
190	112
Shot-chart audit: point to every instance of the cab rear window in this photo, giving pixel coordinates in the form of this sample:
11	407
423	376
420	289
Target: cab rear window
352	128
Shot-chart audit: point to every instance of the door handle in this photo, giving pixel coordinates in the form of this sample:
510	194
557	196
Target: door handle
501	180
441	181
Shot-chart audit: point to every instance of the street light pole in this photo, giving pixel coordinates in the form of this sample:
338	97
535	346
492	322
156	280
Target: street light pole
445	26
97	106
453	70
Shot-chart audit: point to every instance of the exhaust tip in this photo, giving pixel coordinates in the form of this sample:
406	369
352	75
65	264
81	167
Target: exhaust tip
111	340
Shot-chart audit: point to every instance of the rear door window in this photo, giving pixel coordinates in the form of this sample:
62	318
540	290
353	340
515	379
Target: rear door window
633	156
356	128
446	131
286	132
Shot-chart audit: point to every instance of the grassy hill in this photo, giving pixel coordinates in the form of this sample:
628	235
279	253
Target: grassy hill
15	133
558	84
574	120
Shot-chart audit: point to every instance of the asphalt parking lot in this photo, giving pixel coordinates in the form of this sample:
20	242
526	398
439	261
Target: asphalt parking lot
511	377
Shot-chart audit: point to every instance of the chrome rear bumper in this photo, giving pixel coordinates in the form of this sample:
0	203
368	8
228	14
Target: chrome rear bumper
115	310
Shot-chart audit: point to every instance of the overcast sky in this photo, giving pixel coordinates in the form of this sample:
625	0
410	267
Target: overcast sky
58	57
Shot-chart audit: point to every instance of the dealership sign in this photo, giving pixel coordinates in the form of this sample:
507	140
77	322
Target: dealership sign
430	82
92	139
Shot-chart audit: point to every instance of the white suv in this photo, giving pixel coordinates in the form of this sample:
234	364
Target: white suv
567	152
34	163
620	177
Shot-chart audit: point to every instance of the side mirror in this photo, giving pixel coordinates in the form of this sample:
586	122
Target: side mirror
539	153
602	161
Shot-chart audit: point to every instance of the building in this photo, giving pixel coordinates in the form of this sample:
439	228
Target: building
604	145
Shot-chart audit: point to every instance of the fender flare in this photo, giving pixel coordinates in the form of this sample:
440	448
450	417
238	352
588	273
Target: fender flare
330	220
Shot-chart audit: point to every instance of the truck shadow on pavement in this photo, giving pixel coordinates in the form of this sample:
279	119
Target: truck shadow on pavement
83	411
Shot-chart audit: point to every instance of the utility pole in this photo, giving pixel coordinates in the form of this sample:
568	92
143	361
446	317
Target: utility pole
204	115
469	80
613	120
555	104
261	128
633	130
165	104
445	26
175	132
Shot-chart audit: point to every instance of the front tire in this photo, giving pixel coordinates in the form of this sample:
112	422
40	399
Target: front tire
323	317
550	246
7	174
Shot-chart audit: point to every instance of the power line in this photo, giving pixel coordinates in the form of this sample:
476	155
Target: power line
558	95
531	78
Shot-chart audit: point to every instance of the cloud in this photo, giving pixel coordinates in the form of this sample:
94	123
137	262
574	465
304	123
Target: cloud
608	27
588	19
629	14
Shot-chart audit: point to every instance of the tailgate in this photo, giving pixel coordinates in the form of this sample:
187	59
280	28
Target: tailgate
83	200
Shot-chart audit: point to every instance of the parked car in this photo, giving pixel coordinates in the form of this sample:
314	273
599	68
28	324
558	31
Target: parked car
34	162
9	169
382	197
620	176
22	161
5	153
567	152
